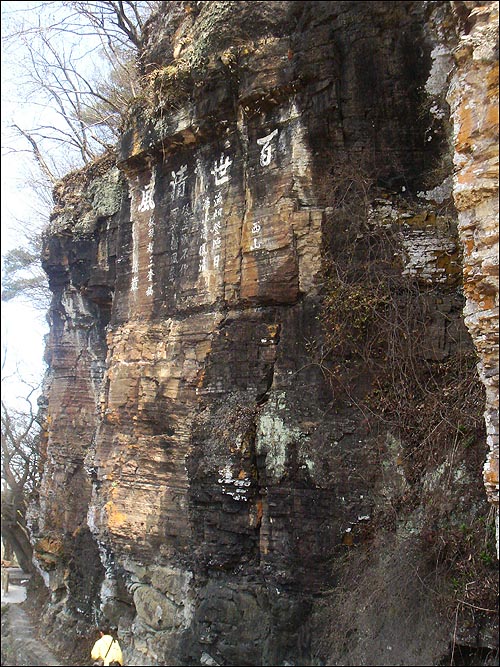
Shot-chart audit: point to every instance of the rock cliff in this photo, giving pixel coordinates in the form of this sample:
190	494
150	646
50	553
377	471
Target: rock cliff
263	426
473	96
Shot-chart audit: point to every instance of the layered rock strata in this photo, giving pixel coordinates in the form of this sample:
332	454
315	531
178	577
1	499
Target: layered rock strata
203	469
473	97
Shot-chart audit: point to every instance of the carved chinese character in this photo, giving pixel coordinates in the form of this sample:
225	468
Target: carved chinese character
220	170
217	242
206	208
134	284
256	228
266	152
150	247
216	261
147	202
149	291
178	182
255	244
150	275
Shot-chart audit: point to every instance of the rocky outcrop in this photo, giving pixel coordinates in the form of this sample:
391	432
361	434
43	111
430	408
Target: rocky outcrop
473	97
222	453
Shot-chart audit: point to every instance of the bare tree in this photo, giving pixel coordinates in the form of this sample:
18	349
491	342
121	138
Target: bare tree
20	475
22	275
118	23
75	65
78	63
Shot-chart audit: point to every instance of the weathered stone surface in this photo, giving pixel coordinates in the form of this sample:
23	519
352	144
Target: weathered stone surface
473	97
196	422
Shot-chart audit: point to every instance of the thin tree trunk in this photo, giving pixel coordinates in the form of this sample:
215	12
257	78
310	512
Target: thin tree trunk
15	537
7	550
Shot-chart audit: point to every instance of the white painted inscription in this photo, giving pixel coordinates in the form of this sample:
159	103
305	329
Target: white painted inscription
216	228
213	213
256	240
178	182
203	257
221	170
151	232
206	210
267	150
134	286
227	480
147	201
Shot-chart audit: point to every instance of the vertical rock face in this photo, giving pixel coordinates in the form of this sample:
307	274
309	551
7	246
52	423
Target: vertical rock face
196	441
473	97
79	257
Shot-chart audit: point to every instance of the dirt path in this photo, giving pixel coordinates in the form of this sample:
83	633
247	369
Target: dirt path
15	595
20	645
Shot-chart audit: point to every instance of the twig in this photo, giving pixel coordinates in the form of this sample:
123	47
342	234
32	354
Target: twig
454	637
488	611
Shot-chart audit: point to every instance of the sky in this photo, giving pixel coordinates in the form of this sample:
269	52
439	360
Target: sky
22	327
